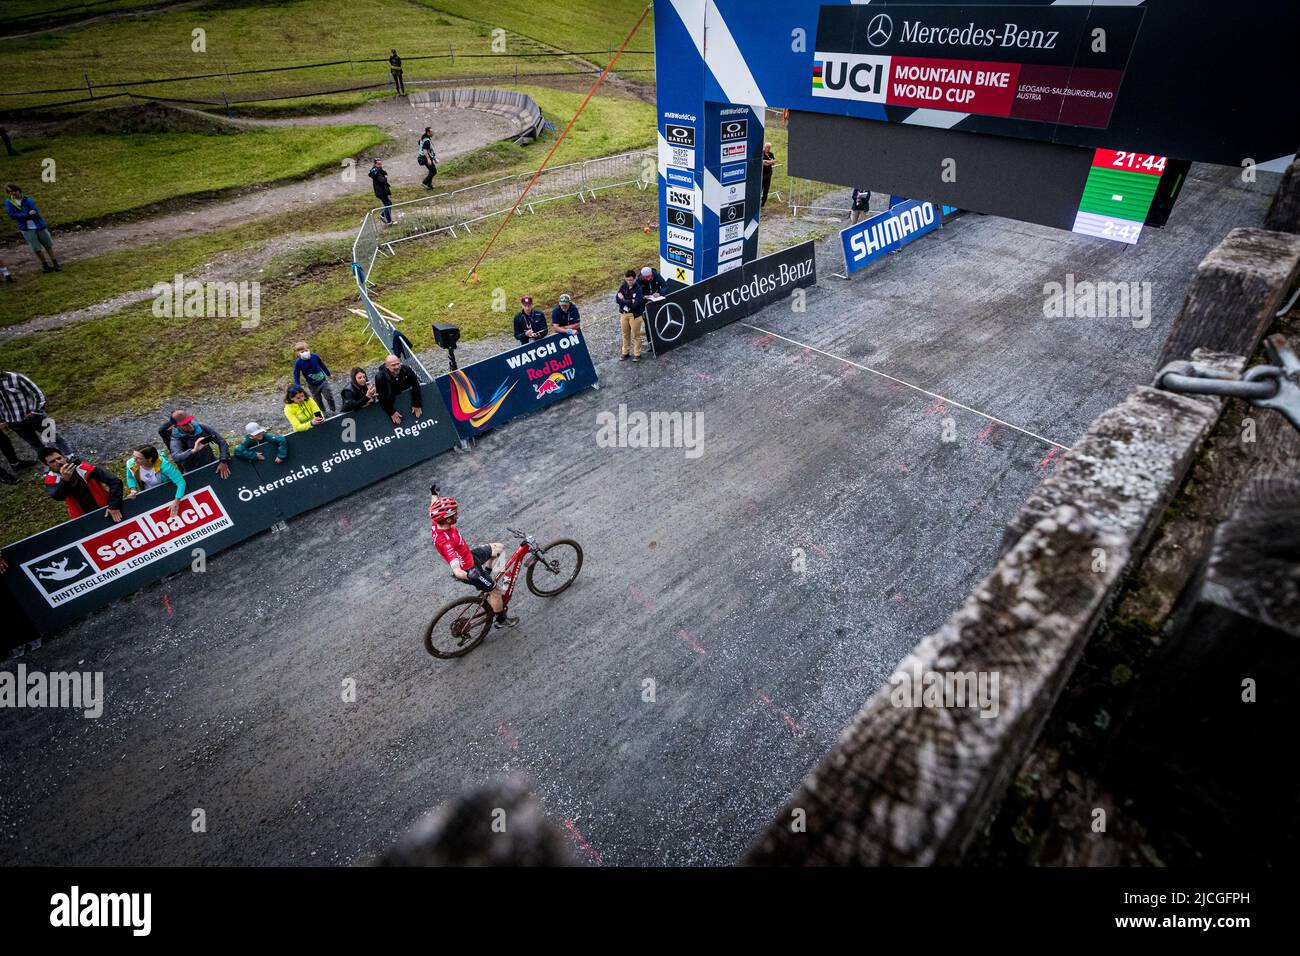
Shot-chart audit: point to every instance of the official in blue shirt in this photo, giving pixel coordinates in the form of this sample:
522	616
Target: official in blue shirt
564	317
530	323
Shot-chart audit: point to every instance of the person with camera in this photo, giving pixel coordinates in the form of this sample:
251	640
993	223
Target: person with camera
81	486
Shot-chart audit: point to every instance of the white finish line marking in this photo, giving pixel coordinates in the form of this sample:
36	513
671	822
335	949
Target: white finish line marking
946	401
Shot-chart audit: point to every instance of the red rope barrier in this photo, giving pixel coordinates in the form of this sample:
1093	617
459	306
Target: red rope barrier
473	272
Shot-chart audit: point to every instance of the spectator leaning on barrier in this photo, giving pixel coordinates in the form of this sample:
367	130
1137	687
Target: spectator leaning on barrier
22	410
318	375
81	486
631	306
395	68
530	323
392	380
383	191
191	443
427	157
565	317
301	410
22	210
358	392
254	435
146	469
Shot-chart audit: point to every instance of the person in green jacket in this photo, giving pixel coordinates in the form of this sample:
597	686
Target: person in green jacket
254	435
146	469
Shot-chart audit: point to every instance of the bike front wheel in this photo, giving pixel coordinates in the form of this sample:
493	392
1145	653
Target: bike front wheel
555	568
458	628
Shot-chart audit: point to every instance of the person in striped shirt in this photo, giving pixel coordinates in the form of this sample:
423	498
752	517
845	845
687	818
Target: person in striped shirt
22	411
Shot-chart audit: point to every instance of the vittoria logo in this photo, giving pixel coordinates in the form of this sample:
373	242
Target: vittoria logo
95	560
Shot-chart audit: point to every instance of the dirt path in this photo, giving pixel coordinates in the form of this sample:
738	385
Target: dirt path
456	132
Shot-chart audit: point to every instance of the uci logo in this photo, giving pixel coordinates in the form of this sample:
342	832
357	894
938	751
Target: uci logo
851	76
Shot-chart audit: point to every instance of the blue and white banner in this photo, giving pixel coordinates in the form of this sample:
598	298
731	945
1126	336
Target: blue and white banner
867	241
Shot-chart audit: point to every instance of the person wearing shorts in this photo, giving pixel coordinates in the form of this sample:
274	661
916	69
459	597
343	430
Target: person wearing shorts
470	565
22	210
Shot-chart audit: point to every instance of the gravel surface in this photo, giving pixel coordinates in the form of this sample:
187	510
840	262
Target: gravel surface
224	688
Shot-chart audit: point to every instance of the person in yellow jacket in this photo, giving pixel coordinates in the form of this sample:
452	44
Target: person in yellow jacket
301	409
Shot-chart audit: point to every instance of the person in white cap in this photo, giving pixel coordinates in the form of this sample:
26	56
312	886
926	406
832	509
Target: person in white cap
254	435
651	282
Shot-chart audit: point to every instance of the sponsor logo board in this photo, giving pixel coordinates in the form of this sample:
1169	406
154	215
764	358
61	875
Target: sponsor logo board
681	237
680	177
678	134
96	559
733	173
681	218
735	129
680	198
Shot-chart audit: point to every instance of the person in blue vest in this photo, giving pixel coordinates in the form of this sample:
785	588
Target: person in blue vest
23	211
530	323
564	317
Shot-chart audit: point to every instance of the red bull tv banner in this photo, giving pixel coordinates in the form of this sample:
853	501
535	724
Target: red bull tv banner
489	393
62	574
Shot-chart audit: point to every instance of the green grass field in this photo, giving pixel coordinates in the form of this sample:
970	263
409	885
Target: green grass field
102	175
242	35
138	361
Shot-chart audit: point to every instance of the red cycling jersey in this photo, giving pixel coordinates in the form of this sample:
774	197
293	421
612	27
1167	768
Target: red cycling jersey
452	547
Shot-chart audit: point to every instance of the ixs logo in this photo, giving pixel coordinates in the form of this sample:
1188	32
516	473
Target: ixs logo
85	565
850	76
551	378
681	198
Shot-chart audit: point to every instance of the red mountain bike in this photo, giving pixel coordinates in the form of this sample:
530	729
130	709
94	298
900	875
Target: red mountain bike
462	624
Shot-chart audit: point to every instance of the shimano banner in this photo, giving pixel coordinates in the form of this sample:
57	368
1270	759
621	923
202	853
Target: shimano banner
491	392
885	232
700	309
62	574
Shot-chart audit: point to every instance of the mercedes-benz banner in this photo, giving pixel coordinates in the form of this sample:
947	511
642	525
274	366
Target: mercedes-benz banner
700	309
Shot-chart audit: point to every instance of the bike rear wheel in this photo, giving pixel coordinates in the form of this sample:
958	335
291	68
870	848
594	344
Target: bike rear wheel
564	558
458	628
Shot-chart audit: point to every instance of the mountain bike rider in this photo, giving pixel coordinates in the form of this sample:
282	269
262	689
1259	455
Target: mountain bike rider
467	564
